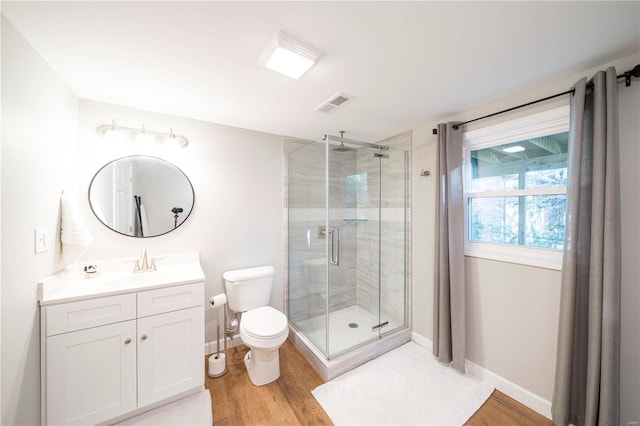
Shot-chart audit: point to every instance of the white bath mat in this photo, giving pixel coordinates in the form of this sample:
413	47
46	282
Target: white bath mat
194	410
405	386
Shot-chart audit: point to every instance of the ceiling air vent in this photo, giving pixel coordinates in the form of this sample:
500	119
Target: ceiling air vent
336	101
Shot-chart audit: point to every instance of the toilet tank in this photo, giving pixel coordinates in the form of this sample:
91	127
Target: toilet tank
248	288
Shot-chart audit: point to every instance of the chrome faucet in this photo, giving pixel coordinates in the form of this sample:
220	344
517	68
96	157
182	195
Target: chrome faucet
145	263
142	264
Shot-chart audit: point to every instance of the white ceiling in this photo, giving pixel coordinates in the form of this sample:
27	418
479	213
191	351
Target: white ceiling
405	62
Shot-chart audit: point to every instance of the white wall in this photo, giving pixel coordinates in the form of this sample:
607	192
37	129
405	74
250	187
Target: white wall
1	404
423	195
512	310
39	157
49	143
237	179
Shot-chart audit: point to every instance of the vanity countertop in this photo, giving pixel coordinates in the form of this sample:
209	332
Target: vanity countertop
117	277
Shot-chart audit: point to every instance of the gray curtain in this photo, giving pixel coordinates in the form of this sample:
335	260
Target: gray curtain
449	285
586	390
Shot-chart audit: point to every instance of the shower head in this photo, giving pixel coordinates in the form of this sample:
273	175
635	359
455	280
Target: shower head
341	148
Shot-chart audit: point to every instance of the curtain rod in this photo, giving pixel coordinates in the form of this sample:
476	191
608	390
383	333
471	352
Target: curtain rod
635	72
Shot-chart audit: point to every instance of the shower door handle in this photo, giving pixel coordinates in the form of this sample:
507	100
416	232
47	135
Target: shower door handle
335	246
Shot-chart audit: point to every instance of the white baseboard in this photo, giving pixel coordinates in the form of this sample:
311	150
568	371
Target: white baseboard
517	392
422	341
212	347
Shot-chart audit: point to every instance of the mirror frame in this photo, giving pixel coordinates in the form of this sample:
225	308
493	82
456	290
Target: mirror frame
193	194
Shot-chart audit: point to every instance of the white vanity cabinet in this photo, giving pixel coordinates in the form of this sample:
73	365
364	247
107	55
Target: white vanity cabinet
106	357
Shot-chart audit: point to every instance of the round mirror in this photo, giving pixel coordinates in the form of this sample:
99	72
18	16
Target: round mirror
141	196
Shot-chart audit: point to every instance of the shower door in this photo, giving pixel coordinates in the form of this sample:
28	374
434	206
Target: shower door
346	243
365	245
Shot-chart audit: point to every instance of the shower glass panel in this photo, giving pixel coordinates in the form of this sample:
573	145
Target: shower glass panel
393	234
347	238
307	242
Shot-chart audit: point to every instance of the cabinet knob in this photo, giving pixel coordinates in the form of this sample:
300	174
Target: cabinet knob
144	337
127	341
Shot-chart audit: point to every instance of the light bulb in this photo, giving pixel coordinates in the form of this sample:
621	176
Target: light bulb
113	135
174	142
143	138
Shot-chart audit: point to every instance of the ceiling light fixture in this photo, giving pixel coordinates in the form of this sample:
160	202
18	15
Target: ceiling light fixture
289	56
141	135
514	149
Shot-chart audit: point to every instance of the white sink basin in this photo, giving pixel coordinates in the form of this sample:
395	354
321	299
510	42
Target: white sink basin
117	277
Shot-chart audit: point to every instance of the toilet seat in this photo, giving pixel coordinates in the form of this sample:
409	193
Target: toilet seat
264	323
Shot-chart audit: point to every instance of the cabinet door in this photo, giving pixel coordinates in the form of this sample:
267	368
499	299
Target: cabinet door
170	354
91	374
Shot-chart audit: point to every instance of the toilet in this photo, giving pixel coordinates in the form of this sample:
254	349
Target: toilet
262	328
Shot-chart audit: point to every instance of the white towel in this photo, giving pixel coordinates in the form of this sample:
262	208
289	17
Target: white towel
74	234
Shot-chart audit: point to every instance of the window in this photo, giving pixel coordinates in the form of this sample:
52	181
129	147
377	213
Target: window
356	191
515	189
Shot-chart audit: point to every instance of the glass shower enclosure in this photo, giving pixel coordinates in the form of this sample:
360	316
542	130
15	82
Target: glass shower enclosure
347	209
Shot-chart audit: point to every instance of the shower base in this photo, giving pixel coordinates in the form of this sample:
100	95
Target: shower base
343	334
346	327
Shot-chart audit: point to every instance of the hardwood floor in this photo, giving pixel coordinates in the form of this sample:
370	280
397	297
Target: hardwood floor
288	401
500	409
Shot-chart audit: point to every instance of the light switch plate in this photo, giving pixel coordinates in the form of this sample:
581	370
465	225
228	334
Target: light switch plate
41	240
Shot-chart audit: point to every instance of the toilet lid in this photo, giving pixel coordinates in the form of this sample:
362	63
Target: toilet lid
264	322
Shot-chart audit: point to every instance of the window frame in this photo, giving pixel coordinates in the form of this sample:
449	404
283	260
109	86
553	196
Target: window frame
535	125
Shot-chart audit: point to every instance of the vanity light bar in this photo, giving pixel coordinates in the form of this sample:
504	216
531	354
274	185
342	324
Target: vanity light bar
132	132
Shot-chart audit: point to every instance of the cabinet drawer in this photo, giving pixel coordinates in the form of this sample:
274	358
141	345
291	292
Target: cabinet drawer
169	299
90	313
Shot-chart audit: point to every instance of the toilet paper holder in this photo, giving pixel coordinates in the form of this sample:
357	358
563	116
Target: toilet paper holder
217	363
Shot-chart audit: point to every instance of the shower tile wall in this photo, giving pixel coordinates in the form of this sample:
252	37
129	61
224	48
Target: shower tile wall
342	283
306	205
367	270
390	223
395	230
306	235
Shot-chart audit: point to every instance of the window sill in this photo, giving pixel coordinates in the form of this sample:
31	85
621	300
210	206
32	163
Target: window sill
540	258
